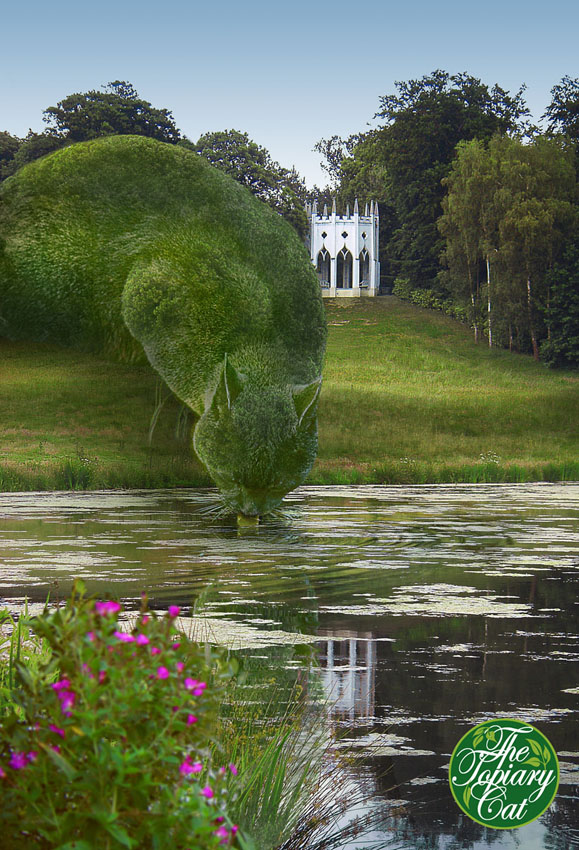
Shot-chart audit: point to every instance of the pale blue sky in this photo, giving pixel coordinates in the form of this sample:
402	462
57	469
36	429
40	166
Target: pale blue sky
286	74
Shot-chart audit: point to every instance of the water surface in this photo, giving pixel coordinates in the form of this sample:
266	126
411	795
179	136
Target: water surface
428	609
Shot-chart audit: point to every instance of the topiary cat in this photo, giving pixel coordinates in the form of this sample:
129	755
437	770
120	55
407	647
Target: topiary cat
125	238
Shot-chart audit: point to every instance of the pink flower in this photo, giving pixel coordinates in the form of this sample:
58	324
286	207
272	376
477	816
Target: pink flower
180	666
162	673
2	774
32	755
191	684
126	638
233	769
155	650
234	829
56	729
207	792
220	819
174	611
61	685
18	761
145	619
67	699
108	607
176	646
56	748
102	676
222	832
91	636
142	640
191	719
188	767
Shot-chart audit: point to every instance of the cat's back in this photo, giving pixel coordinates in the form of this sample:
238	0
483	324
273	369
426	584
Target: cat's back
76	225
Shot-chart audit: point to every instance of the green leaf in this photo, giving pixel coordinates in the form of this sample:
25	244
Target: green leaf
536	748
546	755
533	761
490	733
61	763
477	740
467	795
119	833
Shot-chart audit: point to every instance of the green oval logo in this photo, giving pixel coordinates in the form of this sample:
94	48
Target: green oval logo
504	773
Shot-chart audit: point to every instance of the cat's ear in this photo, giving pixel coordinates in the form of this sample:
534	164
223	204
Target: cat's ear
229	386
305	399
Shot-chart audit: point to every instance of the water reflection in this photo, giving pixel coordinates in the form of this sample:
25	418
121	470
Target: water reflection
435	608
349	675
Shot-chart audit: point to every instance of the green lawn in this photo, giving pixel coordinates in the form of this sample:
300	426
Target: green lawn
407	397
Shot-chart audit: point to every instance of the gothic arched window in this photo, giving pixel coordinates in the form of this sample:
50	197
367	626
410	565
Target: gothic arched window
324	268
344	270
364	267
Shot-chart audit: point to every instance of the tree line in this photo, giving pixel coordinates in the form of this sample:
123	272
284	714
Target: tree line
118	109
479	209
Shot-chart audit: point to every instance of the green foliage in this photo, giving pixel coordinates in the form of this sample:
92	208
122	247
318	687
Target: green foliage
32	147
402	163
563	111
8	148
427	299
561	348
116	110
115	752
125	239
510	205
234	153
18	645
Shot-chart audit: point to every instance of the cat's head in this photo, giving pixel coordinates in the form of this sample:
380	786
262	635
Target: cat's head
257	441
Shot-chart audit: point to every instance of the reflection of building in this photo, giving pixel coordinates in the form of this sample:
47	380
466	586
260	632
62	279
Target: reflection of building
349	675
344	249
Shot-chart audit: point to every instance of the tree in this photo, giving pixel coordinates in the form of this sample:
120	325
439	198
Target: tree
8	148
33	147
562	346
509	205
251	165
563	111
116	110
405	160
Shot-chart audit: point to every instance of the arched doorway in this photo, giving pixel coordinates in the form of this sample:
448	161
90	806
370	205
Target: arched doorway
344	270
324	268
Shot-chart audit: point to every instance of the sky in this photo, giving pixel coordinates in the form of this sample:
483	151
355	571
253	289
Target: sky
287	74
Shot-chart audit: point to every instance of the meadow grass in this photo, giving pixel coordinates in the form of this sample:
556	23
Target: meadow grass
407	398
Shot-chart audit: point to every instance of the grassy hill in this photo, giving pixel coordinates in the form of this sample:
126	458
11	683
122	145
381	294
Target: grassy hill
407	397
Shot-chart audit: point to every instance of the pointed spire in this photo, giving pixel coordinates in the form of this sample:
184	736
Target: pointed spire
334	206
356	211
347	210
366	210
325	210
376	213
315	208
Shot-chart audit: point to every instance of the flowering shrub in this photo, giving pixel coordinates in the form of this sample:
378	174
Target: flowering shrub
111	745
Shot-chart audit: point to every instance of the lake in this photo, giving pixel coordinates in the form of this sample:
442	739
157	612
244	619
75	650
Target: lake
424	609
